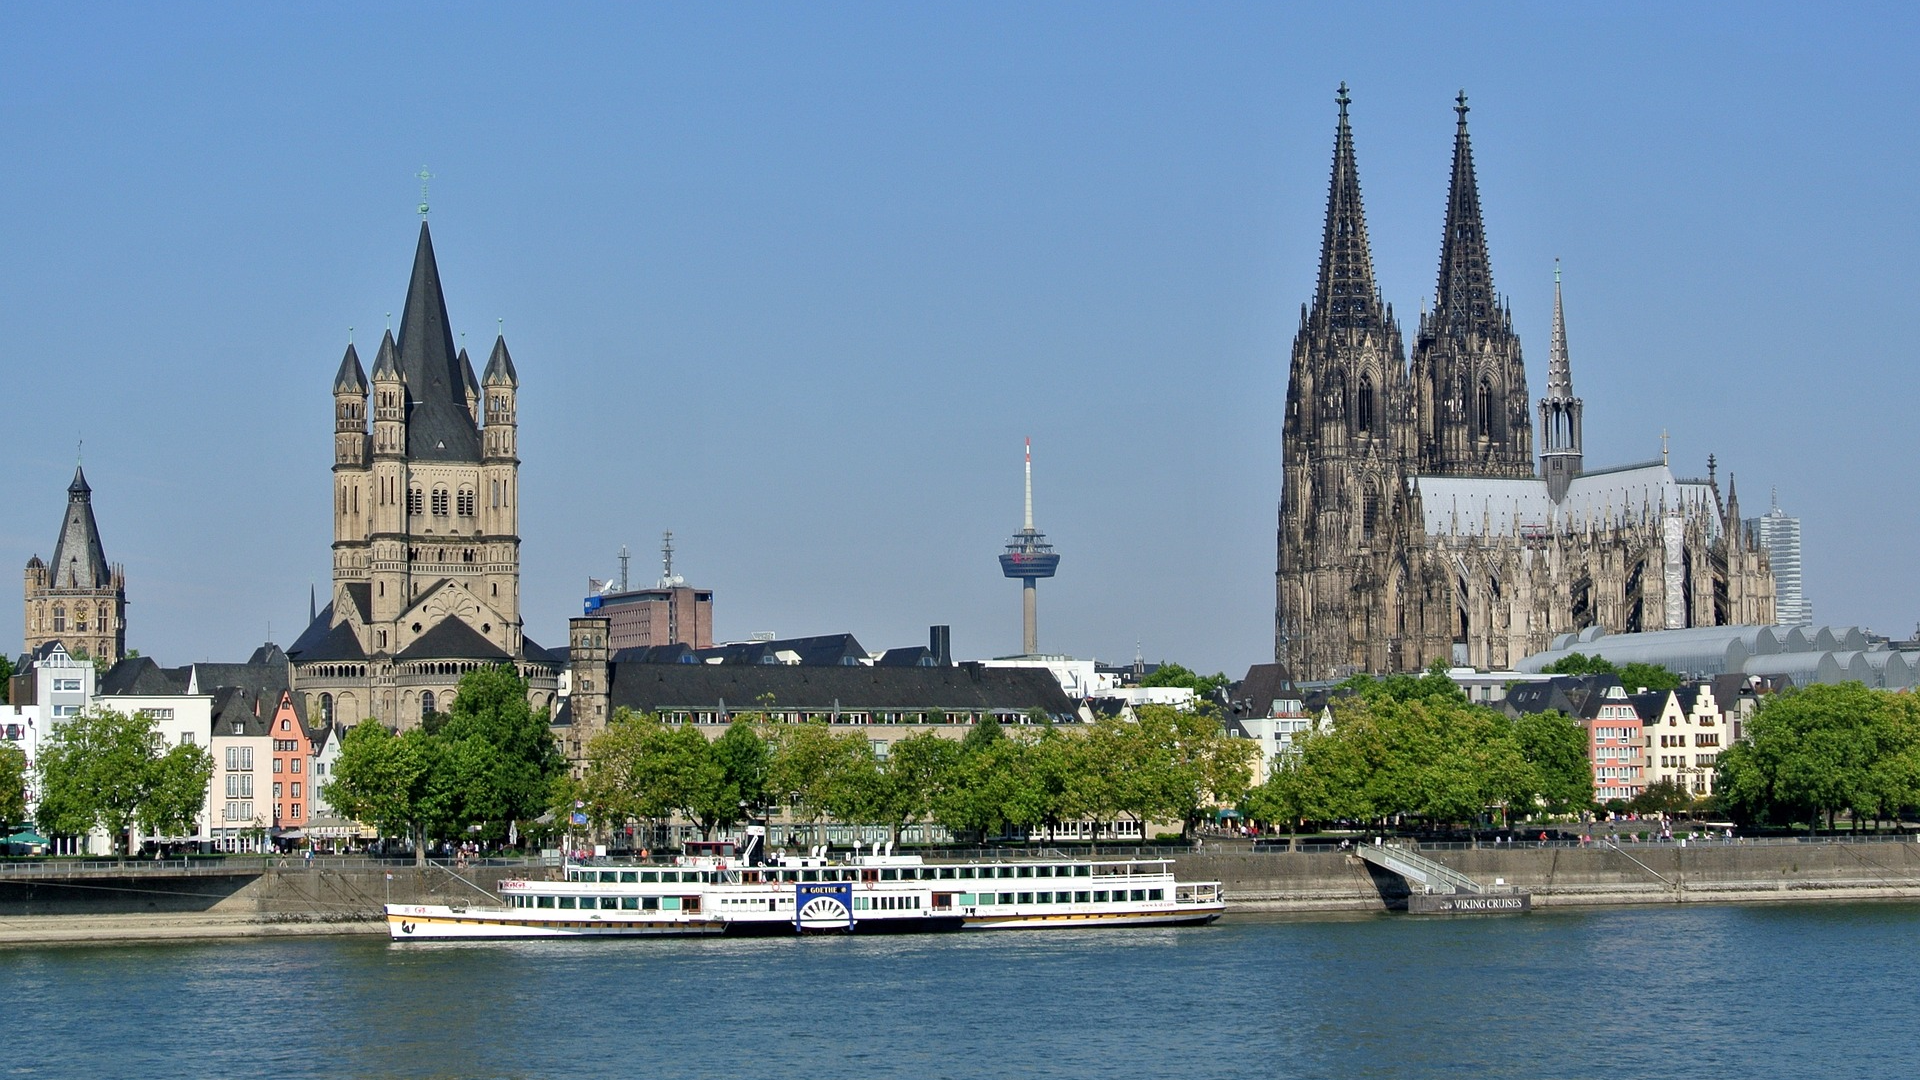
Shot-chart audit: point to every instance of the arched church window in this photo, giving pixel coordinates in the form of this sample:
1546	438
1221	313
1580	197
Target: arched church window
1486	408
105	618
1369	512
466	502
440	502
326	708
416	501
59	617
1363	411
426	703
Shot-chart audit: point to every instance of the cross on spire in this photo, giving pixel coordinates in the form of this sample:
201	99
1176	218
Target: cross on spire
1460	106
424	176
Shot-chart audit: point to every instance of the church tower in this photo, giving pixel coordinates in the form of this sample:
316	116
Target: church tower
1346	433
78	598
1470	385
1559	411
426	545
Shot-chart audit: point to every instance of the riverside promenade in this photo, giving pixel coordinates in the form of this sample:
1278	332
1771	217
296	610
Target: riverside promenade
129	900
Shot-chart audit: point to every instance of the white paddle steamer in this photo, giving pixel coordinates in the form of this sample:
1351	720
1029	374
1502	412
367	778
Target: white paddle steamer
718	890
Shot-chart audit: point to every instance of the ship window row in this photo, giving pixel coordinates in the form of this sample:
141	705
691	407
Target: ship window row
633	876
608	903
924	873
886	903
1097	896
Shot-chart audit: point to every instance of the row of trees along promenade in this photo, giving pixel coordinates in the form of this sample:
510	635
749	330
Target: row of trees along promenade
489	765
1400	751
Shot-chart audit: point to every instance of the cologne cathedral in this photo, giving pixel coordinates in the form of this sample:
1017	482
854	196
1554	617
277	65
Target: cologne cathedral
1417	521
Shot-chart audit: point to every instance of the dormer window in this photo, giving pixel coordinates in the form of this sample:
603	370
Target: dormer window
239	727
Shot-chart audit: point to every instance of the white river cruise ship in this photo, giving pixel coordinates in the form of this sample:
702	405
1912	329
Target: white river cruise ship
716	890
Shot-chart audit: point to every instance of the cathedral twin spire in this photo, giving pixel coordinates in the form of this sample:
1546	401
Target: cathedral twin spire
1467	383
1464	302
1346	296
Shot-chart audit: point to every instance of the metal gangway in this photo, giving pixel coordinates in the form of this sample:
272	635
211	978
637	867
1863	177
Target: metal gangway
1438	889
1430	876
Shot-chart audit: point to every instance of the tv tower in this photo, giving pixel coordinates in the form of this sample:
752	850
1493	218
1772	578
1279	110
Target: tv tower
1029	557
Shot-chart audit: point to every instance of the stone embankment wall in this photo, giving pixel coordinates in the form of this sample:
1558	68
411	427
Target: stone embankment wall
1634	874
294	892
349	897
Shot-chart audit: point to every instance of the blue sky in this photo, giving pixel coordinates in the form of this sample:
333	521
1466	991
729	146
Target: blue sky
795	280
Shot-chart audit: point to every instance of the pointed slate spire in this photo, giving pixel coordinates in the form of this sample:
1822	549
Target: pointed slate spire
468	384
351	379
386	362
1464	302
1346	295
79	562
500	366
439	427
1559	368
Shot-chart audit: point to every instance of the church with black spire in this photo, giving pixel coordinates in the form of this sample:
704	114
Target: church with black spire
426	510
1418	520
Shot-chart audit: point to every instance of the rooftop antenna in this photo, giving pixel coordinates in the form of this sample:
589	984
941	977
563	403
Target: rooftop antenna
623	567
1029	525
668	579
424	176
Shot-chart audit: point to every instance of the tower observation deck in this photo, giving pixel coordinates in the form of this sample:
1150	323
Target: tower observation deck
1029	557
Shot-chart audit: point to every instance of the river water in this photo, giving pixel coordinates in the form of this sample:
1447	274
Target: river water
1699	991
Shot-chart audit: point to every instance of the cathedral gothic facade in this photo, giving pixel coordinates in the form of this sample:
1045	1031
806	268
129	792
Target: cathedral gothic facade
1417	522
426	511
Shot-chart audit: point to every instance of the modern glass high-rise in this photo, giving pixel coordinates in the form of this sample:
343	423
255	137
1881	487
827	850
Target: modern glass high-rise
1780	536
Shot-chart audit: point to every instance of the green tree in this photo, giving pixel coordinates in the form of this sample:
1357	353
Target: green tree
824	776
13	786
1205	687
499	757
1556	746
983	734
1662	797
176	790
1406	746
387	781
1188	764
6	681
1819	750
636	771
746	758
915	777
1633	676
108	770
1581	664
1651	676
992	790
